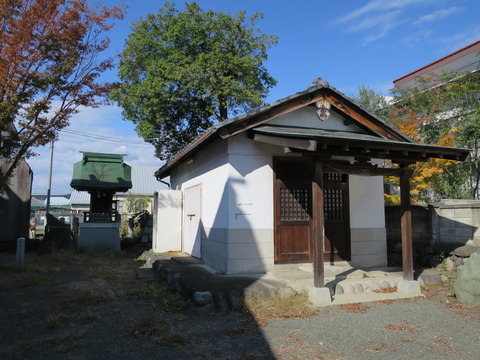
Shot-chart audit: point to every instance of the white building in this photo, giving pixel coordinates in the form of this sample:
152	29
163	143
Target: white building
462	60
298	180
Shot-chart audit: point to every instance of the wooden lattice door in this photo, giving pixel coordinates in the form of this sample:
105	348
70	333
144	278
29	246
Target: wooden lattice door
293	211
336	217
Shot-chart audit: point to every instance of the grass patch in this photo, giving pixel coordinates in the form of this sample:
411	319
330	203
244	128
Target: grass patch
147	328
158	330
278	307
53	321
83	316
108	274
81	300
65	343
29	279
171	340
157	293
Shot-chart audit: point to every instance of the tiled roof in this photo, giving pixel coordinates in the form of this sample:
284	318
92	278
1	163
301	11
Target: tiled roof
221	129
58	201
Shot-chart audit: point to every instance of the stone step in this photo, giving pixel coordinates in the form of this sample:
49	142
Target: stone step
365	286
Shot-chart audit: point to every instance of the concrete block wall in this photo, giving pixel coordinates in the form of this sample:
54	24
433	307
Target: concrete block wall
421	224
446	224
456	223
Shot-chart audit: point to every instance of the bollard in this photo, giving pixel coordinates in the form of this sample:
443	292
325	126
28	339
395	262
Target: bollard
20	251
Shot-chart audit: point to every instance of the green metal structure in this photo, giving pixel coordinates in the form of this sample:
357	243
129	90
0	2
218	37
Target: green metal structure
102	175
101	171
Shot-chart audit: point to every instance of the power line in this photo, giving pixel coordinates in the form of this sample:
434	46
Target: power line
103	137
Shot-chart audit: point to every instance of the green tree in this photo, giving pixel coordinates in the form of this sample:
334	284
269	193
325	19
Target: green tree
182	72
441	110
49	66
376	103
446	108
135	204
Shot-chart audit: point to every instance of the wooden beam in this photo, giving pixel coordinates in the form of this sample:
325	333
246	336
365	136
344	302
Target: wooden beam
377	128
406	221
302	144
318	232
358	169
395	156
269	114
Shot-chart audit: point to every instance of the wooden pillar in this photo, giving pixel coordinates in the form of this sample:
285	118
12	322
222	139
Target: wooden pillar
406	221
318	228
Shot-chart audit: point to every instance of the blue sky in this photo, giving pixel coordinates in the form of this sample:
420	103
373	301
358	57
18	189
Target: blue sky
346	42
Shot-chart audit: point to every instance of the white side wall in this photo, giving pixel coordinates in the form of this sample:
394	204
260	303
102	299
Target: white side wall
367	221
250	188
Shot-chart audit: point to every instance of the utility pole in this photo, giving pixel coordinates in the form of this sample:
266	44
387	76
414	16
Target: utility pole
49	189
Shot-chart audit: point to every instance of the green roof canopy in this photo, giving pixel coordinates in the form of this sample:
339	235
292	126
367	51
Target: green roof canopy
100	171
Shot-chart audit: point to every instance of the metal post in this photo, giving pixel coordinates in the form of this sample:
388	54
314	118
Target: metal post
49	189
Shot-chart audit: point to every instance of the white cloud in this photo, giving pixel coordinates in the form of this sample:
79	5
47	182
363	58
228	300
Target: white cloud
378	18
376	6
382	25
417	38
438	15
380	21
461	39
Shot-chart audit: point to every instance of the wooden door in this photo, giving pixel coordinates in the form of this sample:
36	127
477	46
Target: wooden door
293	211
192	212
336	217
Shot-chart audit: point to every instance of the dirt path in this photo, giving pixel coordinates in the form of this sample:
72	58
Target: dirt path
75	306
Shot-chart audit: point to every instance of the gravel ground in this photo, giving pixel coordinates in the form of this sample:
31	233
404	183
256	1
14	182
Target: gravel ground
84	307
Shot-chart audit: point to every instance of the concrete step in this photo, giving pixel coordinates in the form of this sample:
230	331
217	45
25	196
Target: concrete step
355	286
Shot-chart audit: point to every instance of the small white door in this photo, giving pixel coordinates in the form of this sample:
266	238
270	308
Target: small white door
192	231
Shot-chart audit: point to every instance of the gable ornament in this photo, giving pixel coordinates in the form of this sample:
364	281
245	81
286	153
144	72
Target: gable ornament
323	109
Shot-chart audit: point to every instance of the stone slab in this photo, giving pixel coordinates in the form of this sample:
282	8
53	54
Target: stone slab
145	273
319	296
409	287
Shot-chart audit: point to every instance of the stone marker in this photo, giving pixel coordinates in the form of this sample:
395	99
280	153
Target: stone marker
21	251
467	285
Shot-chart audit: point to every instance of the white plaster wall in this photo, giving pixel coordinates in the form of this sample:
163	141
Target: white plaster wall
210	169
306	117
250	184
366	202
367	221
250	232
237	192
